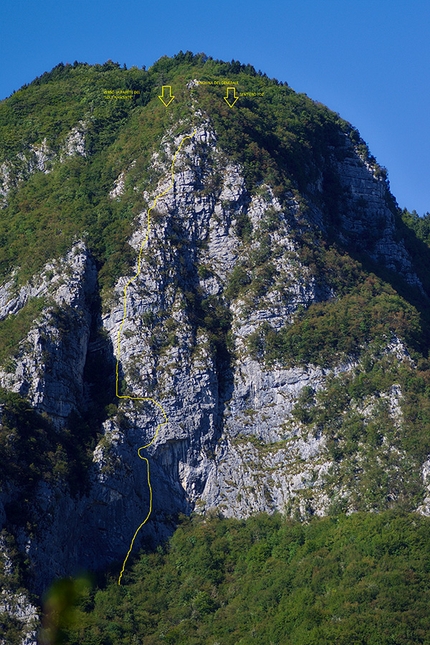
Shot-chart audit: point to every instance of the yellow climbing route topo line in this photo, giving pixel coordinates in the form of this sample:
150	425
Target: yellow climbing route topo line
118	350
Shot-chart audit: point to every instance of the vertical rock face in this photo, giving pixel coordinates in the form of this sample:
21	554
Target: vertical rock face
49	366
209	400
218	264
367	223
14	602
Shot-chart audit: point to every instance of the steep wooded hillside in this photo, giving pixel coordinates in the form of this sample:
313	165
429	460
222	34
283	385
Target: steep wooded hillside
231	260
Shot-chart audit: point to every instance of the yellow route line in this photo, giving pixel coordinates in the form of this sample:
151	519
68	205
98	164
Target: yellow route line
118	350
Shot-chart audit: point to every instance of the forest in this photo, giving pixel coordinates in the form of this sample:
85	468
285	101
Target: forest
359	579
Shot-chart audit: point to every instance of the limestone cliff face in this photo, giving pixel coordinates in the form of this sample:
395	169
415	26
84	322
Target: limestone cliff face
231	442
367	222
48	368
16	603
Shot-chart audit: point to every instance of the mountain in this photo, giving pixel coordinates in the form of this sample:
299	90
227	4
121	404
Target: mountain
220	283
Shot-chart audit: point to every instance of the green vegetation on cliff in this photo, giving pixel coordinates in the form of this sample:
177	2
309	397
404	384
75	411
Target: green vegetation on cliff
278	136
342	580
282	138
358	579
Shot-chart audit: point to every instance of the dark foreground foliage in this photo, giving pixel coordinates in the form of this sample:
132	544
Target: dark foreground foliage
361	579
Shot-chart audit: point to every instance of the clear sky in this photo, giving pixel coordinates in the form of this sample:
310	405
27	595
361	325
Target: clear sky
369	60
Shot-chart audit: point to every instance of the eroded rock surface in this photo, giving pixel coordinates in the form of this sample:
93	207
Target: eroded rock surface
231	442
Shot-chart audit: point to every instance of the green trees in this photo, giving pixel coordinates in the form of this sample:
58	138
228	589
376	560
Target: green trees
357	579
344	580
331	330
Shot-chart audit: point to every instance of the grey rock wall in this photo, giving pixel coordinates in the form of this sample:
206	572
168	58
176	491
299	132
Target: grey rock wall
48	368
230	442
16	603
366	220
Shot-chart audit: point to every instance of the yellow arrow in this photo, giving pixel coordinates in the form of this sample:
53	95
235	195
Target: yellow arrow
231	102
166	99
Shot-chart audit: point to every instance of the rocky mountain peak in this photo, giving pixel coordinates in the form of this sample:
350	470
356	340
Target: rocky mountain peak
275	308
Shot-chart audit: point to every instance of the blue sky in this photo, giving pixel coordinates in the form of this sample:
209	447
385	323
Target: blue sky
367	60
